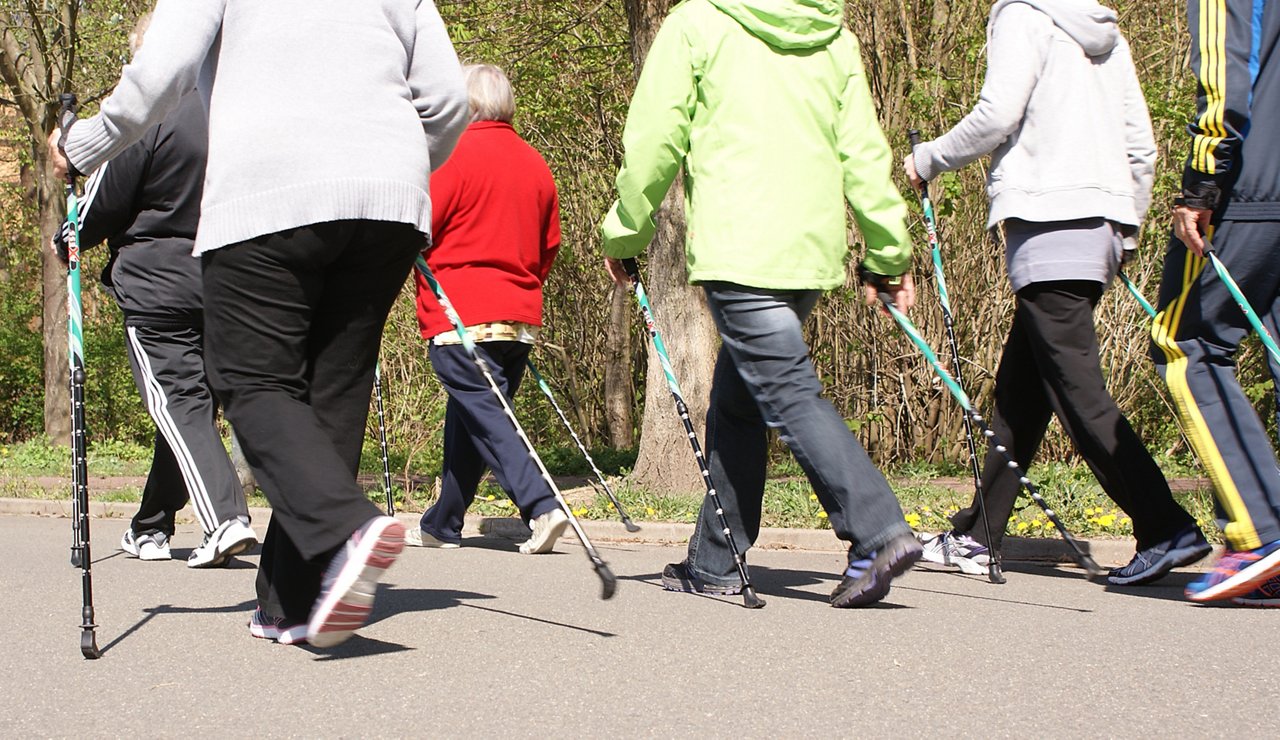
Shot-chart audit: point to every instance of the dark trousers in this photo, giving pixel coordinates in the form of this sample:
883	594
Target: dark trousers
1196	336
1050	366
478	435
293	324
189	462
764	378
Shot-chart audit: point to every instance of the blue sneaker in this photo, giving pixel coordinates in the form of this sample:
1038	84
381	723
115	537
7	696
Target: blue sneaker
866	580
1237	573
1153	563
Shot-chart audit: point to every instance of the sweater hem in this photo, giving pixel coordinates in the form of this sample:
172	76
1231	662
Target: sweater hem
1062	205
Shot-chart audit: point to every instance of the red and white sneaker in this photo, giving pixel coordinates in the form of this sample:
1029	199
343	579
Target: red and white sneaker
277	629
351	581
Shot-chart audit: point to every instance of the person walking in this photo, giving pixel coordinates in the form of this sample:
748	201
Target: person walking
1073	159
765	199
1230	202
496	231
145	203
325	119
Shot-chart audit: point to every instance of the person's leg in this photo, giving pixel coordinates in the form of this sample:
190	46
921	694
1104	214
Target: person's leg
1021	417
163	495
1059	317
169	362
461	469
737	456
280	359
491	432
762	332
1195	335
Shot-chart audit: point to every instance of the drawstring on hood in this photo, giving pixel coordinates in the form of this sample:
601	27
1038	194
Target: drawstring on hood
787	24
1093	26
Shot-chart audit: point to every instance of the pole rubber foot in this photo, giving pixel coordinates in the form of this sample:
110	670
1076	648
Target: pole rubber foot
749	598
1092	570
994	574
89	645
608	581
76	559
630	525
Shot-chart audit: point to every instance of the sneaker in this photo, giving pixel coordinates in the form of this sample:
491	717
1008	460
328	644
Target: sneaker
1237	573
676	577
232	537
954	549
1268	594
1151	564
148	546
277	629
866	580
351	581
416	537
546	530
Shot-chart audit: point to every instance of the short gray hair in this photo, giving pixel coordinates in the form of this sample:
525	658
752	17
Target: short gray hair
489	92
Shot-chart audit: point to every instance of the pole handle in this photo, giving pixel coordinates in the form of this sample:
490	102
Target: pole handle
66	117
914	137
632	268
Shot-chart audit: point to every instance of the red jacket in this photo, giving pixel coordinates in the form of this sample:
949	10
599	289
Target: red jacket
495	228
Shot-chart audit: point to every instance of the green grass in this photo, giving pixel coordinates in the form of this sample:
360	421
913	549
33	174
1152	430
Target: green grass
789	500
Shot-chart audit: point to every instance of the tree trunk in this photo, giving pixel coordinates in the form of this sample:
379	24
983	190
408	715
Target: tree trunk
619	392
243	472
665	462
57	392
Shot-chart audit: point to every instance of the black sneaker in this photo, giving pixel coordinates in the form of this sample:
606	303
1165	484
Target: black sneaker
676	577
1151	564
866	580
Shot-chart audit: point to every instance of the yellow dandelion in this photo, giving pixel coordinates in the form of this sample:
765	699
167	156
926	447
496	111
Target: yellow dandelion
813	497
1107	520
822	515
1022	526
1125	521
650	510
1036	524
580	512
913	520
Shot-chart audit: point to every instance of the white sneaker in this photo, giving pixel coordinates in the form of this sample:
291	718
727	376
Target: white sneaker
232	537
546	530
150	546
417	538
960	551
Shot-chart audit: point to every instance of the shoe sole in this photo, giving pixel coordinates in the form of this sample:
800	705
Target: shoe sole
1163	567
886	567
347	606
549	542
1241	583
295	635
690	586
1256	603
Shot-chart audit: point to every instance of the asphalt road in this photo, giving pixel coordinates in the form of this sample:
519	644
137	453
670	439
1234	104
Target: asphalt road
485	642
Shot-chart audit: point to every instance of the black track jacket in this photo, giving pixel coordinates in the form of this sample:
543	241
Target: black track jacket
145	203
1234	163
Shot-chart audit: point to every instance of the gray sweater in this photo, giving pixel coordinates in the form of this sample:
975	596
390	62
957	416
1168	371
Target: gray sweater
1062	110
319	110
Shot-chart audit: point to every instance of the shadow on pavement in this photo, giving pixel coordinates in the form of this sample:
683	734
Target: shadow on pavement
1169	588
392	600
152	612
358	646
588	630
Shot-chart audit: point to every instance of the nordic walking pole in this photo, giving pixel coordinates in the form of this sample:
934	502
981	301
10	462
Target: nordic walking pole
940	279
608	581
1267	340
913	334
80	554
1137	294
749	598
546	391
382	437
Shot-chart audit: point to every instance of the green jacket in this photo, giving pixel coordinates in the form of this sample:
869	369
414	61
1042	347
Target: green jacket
766	105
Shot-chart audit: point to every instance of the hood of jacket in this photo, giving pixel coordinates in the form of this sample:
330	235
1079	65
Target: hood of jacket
787	24
1093	26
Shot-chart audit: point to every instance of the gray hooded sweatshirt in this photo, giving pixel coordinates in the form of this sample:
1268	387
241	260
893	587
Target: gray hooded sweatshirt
1062	114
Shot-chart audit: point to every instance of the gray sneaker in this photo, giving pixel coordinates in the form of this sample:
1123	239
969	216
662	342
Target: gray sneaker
417	538
232	537
546	530
146	546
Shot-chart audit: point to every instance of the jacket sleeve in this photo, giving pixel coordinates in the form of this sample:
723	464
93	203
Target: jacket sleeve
551	236
1015	56
1140	142
867	162
1221	50
655	141
181	36
110	201
436	84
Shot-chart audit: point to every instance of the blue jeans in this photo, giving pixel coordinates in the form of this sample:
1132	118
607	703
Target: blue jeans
764	378
478	435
